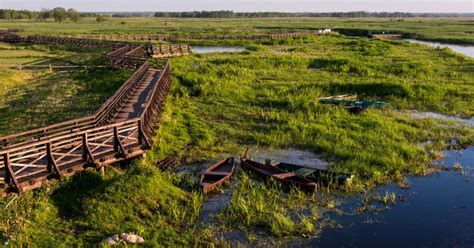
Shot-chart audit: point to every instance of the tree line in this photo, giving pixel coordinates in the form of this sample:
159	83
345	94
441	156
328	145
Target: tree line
353	14
59	14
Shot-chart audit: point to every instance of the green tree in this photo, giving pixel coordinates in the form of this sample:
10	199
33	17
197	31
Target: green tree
44	14
59	14
73	15
101	18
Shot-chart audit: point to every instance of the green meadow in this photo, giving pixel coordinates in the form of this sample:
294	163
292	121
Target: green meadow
35	98
220	103
450	30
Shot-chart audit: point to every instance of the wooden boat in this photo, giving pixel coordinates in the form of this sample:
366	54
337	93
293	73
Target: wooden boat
316	175
280	175
217	174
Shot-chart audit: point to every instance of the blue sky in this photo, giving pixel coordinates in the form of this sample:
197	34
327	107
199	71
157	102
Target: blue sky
248	5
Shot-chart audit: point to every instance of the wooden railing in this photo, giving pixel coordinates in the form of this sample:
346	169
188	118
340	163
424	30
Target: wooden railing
27	166
169	50
29	158
108	110
154	105
126	37
72	147
46	132
102	116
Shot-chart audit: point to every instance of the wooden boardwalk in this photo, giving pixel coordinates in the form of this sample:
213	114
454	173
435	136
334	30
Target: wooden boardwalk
121	129
132	51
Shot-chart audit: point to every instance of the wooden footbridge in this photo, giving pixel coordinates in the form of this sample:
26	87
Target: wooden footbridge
148	50
120	129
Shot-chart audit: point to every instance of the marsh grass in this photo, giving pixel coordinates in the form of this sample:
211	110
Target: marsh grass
264	97
31	99
268	99
450	30
263	205
88	208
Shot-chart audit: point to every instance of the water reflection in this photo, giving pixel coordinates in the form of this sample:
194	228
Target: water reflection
467	50
435	211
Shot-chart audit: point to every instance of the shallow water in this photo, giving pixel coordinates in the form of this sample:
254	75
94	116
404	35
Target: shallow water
467	50
435	211
204	49
468	122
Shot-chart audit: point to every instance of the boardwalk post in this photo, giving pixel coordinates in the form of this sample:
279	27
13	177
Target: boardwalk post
84	145
86	150
142	139
49	155
140	132
52	165
9	173
118	146
116	140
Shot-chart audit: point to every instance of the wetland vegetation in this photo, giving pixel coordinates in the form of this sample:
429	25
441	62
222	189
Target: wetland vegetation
264	97
35	98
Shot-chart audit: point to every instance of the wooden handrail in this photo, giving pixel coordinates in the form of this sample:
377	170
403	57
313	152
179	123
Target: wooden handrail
67	136
28	158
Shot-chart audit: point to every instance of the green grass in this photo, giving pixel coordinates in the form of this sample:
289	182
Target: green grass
257	205
451	30
43	98
31	99
88	207
264	97
269	98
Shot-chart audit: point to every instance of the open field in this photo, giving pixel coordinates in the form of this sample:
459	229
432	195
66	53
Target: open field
32	99
267	97
451	30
